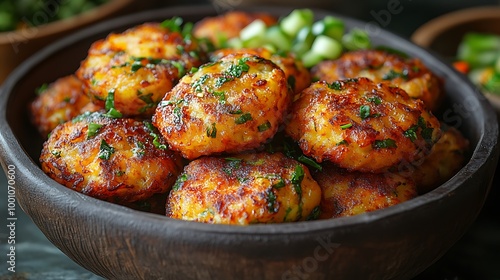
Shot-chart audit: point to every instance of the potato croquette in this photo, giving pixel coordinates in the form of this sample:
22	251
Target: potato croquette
231	105
138	66
117	160
245	189
360	125
58	103
409	74
445	159
221	28
347	193
296	73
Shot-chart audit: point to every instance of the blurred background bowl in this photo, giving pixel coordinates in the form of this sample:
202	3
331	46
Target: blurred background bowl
444	33
16	46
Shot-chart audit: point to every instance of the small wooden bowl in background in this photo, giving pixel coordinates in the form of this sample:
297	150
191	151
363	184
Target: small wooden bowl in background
18	45
444	34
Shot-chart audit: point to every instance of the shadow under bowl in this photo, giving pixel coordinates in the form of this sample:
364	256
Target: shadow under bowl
115	242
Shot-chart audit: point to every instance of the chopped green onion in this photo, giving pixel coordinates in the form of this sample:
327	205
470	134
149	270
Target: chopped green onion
92	129
297	19
329	26
327	47
356	39
277	37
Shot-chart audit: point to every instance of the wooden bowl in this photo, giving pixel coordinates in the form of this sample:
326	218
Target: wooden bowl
16	46
116	242
444	34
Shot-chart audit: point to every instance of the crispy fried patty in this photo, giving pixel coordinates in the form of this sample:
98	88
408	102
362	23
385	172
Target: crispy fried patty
409	74
245	189
231	105
117	160
138	67
360	125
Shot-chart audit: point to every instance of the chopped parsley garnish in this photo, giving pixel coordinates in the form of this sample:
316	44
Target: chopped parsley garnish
335	85
139	148
346	126
391	75
221	95
197	85
180	181
156	137
41	89
426	131
271	200
343	142
173	24
180	67
310	162
222	80
364	111
411	133
57	154
280	184
297	177
237	70
314	215
375	99
110	105
136	65
384	144
265	126
92	129
212	131
105	150
243	118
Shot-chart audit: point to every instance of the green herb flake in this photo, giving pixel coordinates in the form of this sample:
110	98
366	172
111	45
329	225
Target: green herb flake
337	85
346	126
57	154
180	67
310	162
391	75
243	118
41	89
198	84
92	129
384	144
364	111
411	133
221	95
265	126
222	80
280	184
343	142
173	24
271	201
180	181
110	105
139	149
136	65
156	138
212	131
314	215
375	99
105	150
297	177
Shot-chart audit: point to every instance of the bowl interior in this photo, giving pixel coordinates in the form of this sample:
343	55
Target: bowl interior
64	57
